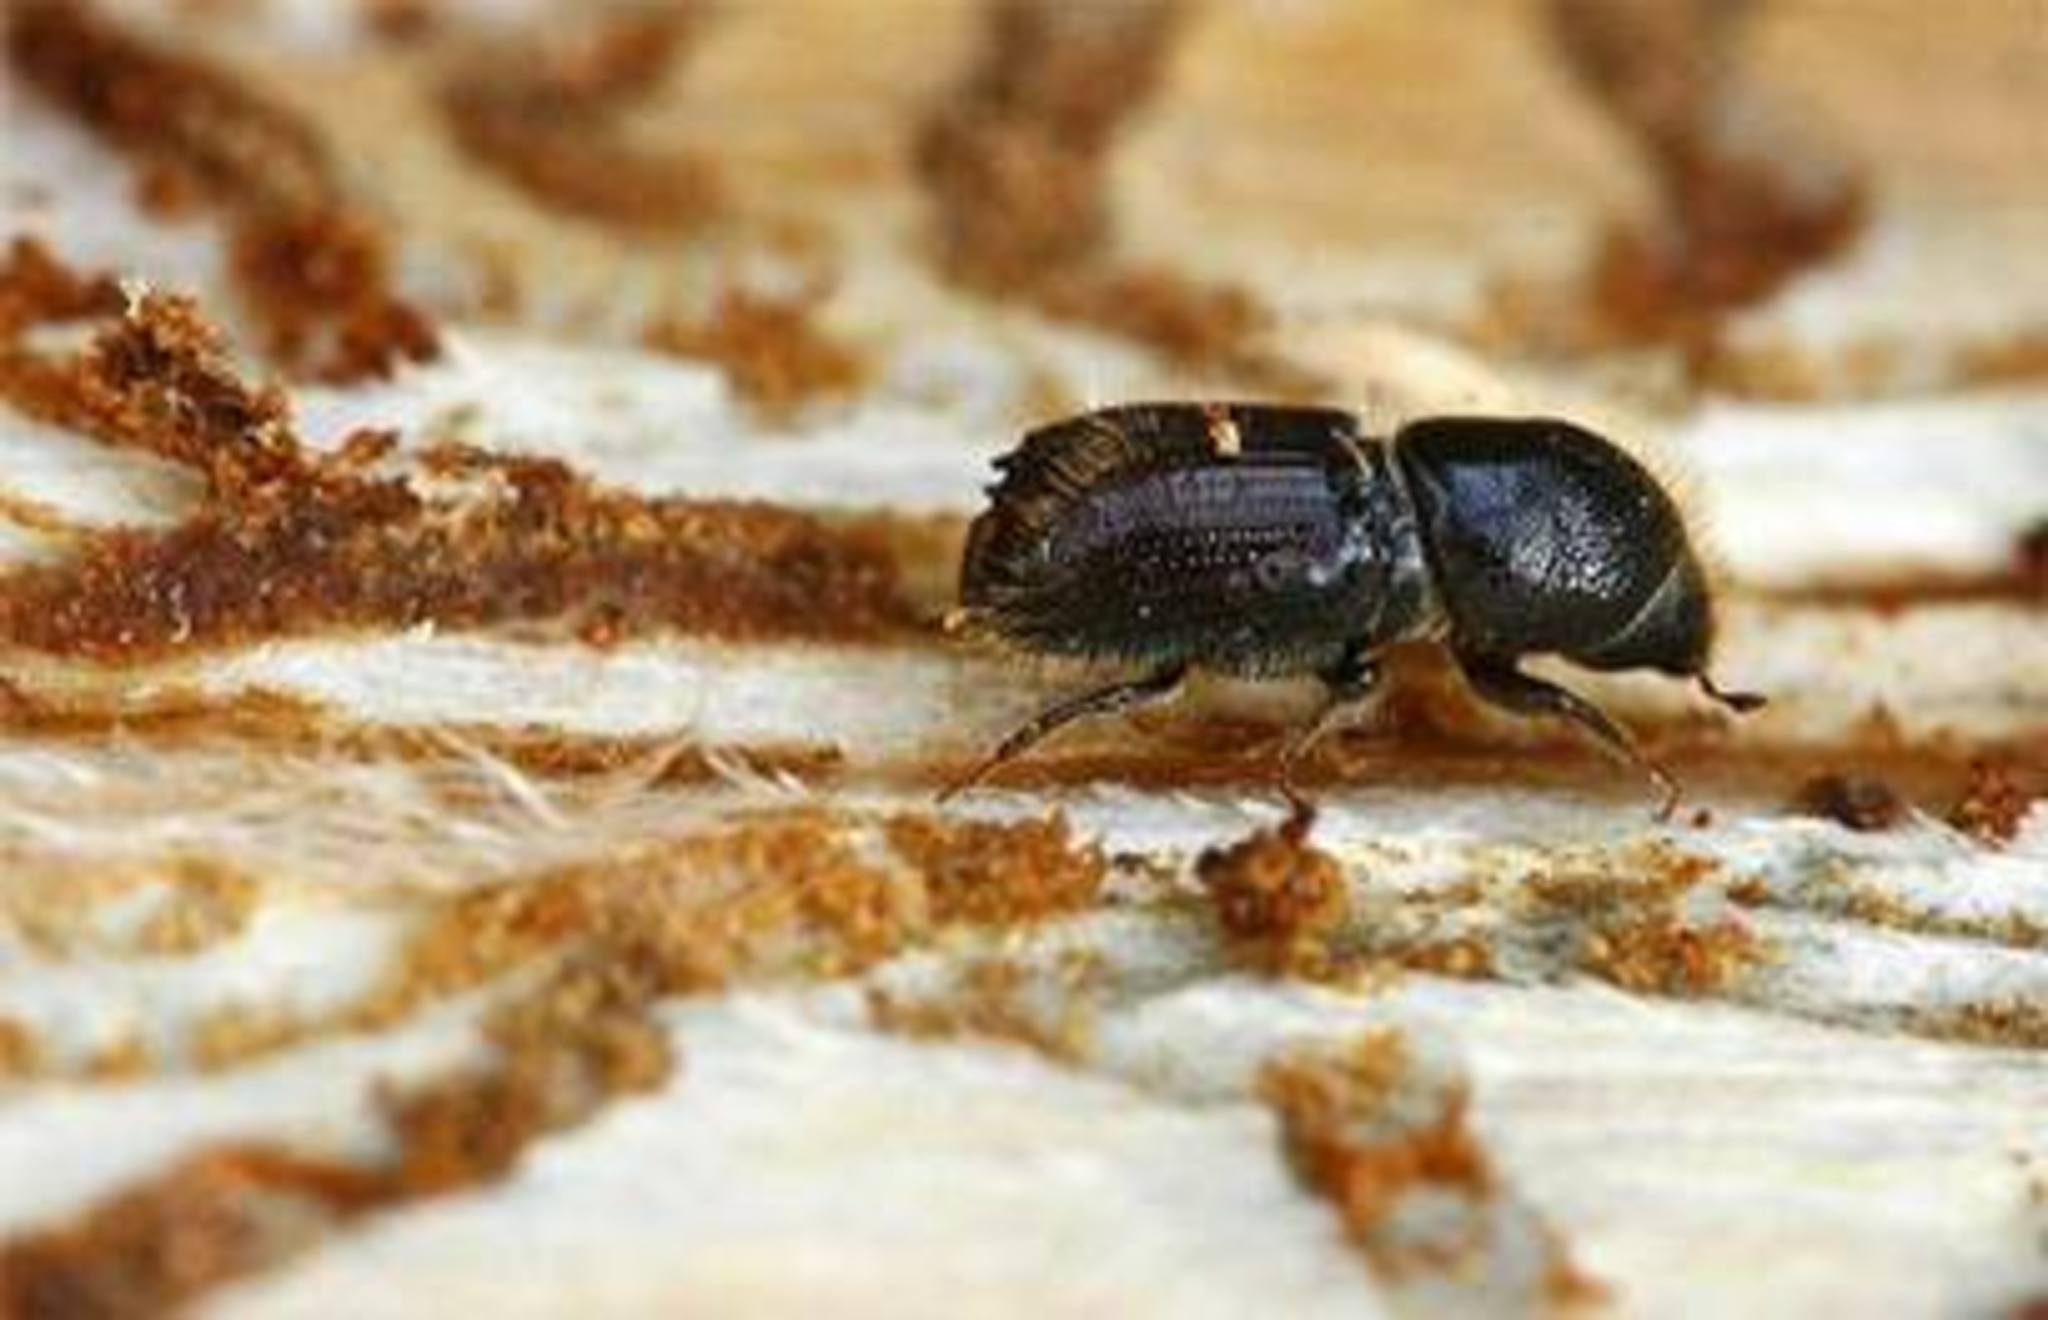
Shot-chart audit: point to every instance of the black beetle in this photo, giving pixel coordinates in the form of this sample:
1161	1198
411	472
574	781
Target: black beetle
1263	541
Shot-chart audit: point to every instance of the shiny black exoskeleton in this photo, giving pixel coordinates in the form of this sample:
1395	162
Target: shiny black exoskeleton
1265	541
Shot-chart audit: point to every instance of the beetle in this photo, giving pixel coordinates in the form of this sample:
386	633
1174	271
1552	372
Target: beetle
1268	541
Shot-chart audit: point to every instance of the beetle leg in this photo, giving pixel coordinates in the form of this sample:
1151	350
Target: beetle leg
1498	681
1347	684
1742	703
1156	686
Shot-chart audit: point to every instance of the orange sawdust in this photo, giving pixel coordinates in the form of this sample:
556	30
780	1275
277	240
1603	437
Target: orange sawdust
1015	155
564	1050
2013	1023
1861	802
2019	359
772	350
124	1058
1653	872
1187	321
1836	887
1628	924
994	999
1015	160
37	289
320	285
1364	1133
781	894
986	873
1993	806
238	1032
1660	952
38	517
400	21
208	900
168	1240
795	893
1277	898
314	267
1333	1106
1462	957
177	900
786	893
543	111
1741	214
21	1051
291	540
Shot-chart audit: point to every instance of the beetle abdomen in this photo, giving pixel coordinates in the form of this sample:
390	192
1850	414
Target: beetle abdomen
1157	546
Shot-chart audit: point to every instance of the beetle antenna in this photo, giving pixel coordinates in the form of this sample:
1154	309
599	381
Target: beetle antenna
1742	703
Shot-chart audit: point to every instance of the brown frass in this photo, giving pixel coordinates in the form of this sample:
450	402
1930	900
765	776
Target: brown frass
1276	896
541	110
313	263
1861	802
291	540
1015	162
1743	210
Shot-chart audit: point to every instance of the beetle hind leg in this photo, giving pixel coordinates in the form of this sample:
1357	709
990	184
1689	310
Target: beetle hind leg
1114	699
1498	681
